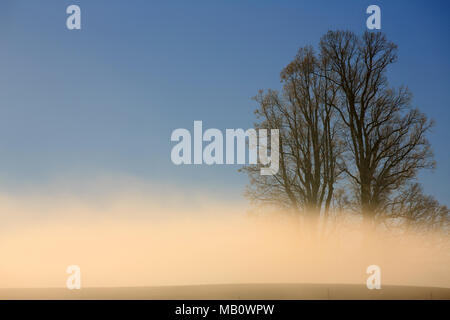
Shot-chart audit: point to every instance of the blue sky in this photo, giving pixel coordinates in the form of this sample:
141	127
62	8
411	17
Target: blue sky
106	98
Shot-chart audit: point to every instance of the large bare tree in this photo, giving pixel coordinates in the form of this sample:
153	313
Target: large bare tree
337	114
386	142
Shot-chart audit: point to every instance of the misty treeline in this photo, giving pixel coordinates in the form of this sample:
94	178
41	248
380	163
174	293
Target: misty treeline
348	141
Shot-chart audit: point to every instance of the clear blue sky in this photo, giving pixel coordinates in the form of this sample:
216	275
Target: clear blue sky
105	99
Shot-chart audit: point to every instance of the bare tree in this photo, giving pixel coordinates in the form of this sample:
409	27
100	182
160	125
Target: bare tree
309	140
412	211
386	137
337	114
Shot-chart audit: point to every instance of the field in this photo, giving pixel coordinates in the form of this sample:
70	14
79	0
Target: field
234	292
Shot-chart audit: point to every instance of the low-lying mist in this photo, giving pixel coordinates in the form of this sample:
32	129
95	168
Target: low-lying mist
129	240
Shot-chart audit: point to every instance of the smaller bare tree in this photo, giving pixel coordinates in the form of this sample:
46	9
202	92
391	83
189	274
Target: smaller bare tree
413	211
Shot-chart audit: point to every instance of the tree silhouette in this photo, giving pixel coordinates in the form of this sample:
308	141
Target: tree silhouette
386	141
310	145
341	123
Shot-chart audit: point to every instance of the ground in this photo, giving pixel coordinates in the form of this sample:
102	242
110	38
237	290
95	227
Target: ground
234	292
